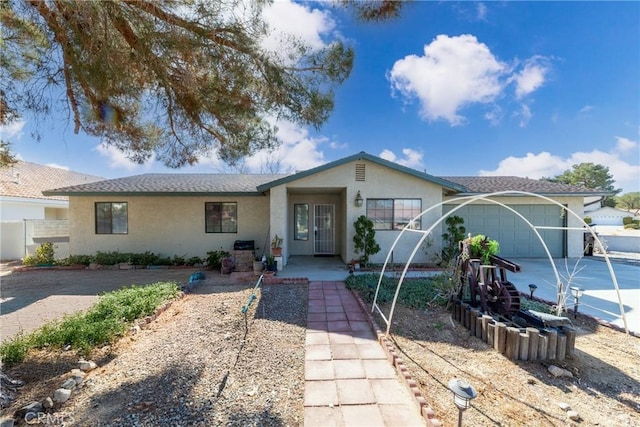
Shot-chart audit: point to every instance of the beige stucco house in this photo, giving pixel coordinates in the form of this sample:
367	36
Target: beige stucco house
314	211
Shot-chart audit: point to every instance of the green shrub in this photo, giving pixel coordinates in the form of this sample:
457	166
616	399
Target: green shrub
415	293
633	226
484	247
450	239
627	220
214	259
44	255
146	258
364	239
193	260
76	260
110	258
100	325
179	260
587	219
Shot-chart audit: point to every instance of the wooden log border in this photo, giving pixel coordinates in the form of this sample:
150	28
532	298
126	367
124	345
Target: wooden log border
530	344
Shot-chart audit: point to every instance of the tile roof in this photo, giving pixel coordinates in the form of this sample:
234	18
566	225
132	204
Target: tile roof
173	183
491	184
28	180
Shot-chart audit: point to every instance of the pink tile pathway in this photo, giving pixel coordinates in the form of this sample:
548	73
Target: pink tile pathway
348	379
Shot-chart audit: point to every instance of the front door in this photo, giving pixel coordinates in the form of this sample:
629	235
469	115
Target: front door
324	230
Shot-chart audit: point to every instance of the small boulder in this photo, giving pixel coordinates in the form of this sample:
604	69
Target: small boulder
559	372
34	407
87	365
564	406
69	384
573	415
47	403
61	395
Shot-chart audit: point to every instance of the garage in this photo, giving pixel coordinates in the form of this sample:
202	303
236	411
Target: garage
516	238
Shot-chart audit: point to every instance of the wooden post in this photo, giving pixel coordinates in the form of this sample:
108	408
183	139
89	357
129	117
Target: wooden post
552	344
512	346
524	346
456	311
571	340
561	349
476	325
485	327
501	337
491	333
473	315
534	335
543	342
465	315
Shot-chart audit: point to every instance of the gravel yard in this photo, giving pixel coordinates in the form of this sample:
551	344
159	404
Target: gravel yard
201	362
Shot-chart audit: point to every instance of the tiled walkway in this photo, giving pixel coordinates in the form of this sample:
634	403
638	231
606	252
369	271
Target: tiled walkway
348	379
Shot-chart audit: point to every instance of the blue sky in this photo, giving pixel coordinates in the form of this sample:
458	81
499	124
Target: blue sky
453	88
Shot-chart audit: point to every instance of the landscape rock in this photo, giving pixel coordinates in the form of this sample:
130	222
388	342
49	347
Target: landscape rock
47	403
61	395
564	406
87	365
34	407
69	384
559	372
573	415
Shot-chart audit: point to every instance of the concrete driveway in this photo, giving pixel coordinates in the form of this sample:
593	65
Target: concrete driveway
31	298
600	298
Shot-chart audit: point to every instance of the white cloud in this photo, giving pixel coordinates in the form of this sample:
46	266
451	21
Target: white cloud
532	76
586	109
454	72
118	160
12	130
458	71
524	114
544	164
625	145
288	20
481	10
412	158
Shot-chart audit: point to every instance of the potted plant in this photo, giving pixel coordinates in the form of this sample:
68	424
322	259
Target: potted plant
276	246
483	247
272	265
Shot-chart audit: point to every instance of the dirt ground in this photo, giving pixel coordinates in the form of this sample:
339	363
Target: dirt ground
605	389
200	363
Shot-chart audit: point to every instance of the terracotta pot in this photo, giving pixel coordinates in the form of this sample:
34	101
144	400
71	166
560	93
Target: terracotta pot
276	251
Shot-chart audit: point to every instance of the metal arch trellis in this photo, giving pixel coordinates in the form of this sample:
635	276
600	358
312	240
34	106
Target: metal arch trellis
486	197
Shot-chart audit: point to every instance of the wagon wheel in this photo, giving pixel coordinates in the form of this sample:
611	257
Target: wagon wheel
508	301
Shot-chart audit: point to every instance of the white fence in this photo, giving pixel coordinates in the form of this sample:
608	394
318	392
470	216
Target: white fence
20	238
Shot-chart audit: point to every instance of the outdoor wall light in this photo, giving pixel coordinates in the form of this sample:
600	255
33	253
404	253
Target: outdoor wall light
577	293
358	200
463	393
532	289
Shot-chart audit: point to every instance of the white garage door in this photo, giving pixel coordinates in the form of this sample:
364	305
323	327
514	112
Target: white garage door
514	235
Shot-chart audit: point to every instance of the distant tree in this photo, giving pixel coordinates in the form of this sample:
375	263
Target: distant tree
629	200
589	175
170	77
6	158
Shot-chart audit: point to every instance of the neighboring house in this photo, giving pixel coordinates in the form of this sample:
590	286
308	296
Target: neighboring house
608	216
313	210
29	218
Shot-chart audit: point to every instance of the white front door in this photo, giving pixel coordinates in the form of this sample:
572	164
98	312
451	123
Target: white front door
324	230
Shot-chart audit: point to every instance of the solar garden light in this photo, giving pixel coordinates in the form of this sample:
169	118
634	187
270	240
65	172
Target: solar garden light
532	289
577	293
463	392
